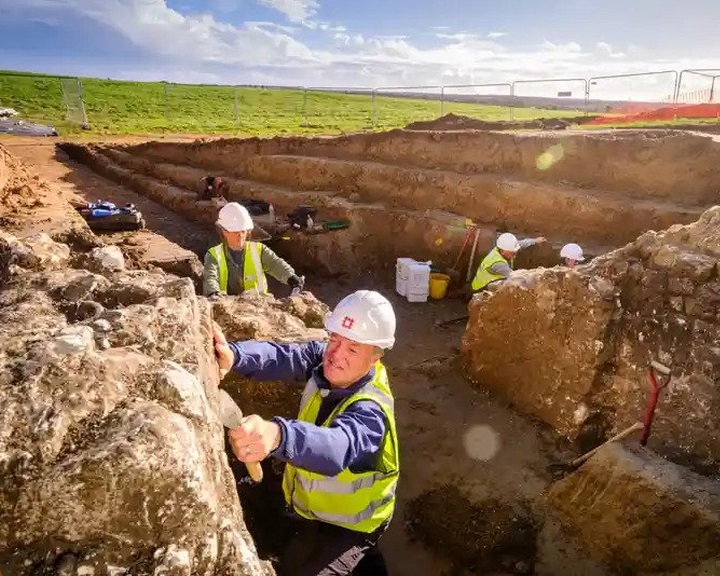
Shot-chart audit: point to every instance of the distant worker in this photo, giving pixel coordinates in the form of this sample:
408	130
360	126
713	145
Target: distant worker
341	452
498	264
572	254
237	265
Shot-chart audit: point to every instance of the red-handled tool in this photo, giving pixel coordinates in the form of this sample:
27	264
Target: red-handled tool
655	388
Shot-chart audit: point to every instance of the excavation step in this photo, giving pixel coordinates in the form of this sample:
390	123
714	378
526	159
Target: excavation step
572	214
376	238
658	165
582	213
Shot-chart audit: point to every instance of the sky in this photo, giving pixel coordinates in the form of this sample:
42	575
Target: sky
372	43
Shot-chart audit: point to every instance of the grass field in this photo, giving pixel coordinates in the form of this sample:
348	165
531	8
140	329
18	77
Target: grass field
117	107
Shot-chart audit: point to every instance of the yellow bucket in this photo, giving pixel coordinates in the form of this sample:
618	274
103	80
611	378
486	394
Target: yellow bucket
438	285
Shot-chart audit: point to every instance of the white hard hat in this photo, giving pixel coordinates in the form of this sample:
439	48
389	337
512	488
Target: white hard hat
507	242
364	316
573	252
234	217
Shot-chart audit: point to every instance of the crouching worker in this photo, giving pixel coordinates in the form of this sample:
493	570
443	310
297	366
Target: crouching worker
341	452
499	263
237	265
572	255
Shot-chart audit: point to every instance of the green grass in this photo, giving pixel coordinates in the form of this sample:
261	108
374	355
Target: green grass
118	107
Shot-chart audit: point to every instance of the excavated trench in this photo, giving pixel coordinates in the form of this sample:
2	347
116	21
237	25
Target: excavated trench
409	193
474	472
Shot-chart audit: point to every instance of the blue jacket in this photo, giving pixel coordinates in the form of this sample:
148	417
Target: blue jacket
352	440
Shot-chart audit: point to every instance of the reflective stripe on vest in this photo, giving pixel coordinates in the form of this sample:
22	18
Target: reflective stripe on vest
360	502
483	276
253	274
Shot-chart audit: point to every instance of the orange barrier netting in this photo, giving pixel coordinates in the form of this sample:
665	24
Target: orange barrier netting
662	113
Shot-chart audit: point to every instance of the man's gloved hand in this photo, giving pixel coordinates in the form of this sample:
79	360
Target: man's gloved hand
296	282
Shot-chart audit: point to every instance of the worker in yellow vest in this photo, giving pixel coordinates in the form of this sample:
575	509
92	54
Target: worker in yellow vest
237	265
572	255
341	452
499	263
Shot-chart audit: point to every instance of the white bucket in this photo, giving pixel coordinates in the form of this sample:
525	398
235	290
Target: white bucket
418	282
402	272
418	297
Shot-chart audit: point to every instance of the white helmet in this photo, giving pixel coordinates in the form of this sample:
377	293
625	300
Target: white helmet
364	316
507	242
573	252
234	217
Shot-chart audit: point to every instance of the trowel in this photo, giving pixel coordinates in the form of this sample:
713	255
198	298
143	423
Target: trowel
296	291
231	417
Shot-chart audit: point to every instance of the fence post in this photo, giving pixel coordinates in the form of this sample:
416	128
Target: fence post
442	100
712	90
678	85
512	101
374	108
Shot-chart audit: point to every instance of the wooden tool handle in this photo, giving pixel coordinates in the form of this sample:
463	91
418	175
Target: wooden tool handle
255	470
618	436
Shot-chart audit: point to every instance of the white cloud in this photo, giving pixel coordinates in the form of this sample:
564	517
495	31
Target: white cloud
200	48
295	10
607	49
569	47
496	35
162	31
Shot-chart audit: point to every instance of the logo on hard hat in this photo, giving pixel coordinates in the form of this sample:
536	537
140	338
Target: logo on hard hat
347	322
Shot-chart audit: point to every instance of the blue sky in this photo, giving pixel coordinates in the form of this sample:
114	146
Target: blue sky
369	43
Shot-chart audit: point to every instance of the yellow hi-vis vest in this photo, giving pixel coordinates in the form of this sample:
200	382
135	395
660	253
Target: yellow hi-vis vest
253	273
483	276
360	502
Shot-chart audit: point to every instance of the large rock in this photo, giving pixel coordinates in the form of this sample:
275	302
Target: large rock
112	458
641	513
573	347
264	317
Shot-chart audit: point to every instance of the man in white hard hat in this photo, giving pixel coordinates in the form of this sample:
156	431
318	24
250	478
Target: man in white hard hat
237	265
341	452
499	262
572	255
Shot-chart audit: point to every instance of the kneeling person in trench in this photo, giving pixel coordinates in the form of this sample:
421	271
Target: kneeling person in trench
341	452
237	265
500	261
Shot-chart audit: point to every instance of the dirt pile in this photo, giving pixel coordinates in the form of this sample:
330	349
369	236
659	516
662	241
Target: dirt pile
641	513
19	191
451	122
573	347
117	465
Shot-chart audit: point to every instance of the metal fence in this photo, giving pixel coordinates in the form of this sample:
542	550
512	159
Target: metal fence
167	106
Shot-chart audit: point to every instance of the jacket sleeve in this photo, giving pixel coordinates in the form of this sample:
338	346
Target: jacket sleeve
211	276
267	361
275	266
527	242
353	440
501	269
